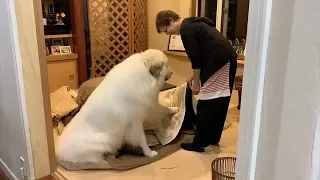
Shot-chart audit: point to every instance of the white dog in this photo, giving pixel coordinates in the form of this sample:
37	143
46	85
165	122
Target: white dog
114	113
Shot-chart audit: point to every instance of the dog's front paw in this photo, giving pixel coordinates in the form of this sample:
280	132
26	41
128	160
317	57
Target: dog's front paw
174	110
152	154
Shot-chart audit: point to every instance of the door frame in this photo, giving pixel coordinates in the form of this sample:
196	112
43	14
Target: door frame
258	32
33	74
31	38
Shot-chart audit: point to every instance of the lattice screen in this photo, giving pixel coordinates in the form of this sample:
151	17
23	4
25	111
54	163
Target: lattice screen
140	25
118	28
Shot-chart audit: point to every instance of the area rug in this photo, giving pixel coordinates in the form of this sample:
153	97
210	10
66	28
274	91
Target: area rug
162	133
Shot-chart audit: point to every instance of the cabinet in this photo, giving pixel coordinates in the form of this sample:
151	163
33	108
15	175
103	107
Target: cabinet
63	22
62	71
62	68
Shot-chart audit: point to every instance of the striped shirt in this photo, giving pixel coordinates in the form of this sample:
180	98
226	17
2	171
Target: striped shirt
217	85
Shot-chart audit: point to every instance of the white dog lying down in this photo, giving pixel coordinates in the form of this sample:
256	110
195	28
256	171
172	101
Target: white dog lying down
114	113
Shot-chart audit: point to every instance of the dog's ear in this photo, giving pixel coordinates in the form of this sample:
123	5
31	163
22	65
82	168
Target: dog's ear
155	69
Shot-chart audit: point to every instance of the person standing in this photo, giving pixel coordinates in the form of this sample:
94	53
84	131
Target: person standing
214	65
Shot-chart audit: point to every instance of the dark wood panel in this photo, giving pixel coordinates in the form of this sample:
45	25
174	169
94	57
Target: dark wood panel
77	24
242	19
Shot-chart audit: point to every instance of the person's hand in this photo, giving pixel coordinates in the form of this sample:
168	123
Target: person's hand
189	81
195	88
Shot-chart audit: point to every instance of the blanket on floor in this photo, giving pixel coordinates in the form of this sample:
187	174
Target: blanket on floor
163	137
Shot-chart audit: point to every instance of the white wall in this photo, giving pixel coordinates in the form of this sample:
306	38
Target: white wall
291	91
156	40
12	137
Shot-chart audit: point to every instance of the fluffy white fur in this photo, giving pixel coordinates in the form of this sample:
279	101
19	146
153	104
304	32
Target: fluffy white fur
114	113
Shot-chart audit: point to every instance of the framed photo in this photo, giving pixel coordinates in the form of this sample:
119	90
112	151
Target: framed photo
175	43
57	42
55	50
65	49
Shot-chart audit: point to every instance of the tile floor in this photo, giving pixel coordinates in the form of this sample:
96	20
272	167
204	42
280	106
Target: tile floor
181	165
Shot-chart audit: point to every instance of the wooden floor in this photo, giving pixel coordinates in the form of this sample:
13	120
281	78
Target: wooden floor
3	175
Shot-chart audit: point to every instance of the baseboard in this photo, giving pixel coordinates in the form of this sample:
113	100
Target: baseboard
54	176
58	175
49	177
6	171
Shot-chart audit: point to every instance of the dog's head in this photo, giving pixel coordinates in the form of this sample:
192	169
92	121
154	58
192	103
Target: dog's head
157	63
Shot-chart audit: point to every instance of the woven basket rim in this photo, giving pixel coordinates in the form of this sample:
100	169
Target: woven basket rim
217	159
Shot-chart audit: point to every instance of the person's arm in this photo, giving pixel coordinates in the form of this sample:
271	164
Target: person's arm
195	86
188	35
196	75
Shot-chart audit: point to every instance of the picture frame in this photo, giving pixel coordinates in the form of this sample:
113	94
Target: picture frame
65	50
55	50
57	42
175	43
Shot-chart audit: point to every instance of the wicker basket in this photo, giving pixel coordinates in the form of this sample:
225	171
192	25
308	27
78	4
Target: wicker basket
224	168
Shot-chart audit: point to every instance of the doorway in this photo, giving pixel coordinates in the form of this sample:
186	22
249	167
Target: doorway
37	87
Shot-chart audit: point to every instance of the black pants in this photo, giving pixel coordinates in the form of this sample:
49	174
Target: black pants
211	115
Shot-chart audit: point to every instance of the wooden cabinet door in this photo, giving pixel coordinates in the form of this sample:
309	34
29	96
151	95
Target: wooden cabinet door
62	73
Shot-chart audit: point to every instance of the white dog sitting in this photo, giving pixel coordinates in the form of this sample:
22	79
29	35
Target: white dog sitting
114	113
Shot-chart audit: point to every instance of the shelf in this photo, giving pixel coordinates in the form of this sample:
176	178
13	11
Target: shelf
61	57
58	36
